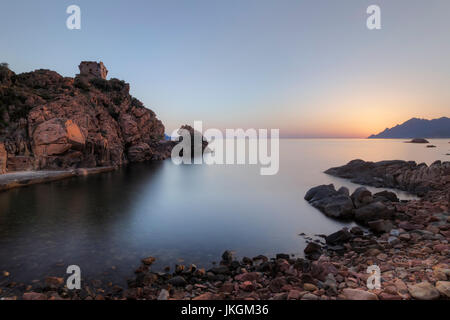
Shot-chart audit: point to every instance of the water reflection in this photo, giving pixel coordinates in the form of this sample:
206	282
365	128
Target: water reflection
107	223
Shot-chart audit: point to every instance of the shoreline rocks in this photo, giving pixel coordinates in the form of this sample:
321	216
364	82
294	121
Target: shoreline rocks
418	179
26	178
360	206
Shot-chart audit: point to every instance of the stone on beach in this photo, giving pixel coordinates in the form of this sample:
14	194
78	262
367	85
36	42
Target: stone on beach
423	291
357	294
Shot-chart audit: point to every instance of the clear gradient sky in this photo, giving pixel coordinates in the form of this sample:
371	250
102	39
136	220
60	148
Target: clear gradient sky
310	68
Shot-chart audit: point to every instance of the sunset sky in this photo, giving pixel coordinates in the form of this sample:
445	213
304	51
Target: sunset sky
310	68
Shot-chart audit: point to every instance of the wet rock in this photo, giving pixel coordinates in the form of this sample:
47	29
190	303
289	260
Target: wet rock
361	197
331	202
338	237
312	248
423	291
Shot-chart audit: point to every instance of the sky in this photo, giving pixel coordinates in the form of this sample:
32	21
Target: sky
310	68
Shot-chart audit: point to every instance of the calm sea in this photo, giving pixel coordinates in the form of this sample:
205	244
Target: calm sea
179	214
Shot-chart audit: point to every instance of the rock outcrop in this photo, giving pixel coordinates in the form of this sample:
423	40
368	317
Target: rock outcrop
52	122
409	176
196	137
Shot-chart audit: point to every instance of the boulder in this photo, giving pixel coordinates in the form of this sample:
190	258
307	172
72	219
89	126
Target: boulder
371	212
338	237
312	247
361	197
380	226
331	202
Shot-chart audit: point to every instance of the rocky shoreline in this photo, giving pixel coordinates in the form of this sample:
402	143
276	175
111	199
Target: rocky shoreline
407	240
20	179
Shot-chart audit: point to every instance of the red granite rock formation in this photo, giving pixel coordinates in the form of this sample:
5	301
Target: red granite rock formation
49	122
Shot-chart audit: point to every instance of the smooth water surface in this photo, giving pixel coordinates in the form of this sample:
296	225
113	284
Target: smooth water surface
179	214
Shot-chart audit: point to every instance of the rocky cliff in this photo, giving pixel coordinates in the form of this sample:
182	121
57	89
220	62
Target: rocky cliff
50	122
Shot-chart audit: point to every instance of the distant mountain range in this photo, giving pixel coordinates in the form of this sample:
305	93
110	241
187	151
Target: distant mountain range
417	128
